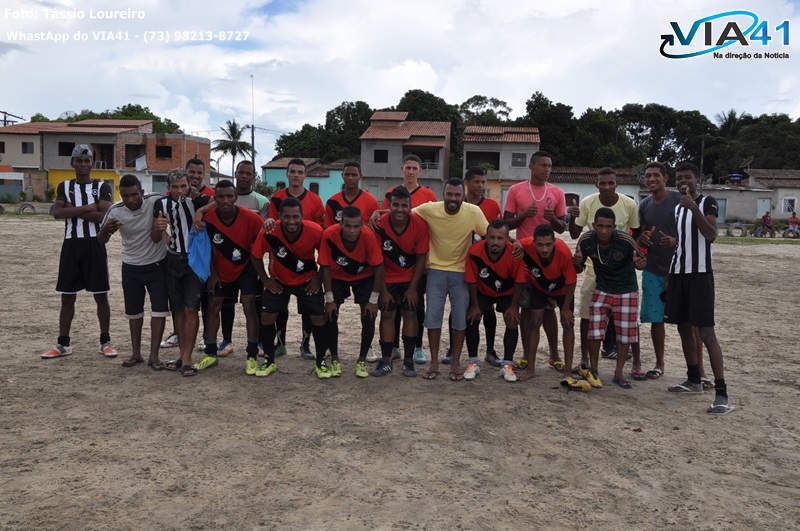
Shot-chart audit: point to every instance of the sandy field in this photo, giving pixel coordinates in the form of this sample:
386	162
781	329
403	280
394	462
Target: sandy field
87	444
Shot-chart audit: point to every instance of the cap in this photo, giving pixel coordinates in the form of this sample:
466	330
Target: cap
82	150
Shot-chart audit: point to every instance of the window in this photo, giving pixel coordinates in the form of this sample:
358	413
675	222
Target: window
381	156
518	160
314	187
159	184
789	205
65	149
2	147
163	152
133	152
27	148
280	185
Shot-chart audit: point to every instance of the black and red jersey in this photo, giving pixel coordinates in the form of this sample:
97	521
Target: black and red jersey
364	201
232	243
495	278
400	249
344	263
292	262
553	278
420	196
490	208
313	209
207	190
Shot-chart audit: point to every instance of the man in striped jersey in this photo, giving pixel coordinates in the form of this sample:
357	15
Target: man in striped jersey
143	265
82	203
690	286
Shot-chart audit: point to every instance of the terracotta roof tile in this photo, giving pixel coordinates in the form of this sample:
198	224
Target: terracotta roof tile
416	141
475	133
579	174
31	128
110	123
90	130
772	178
393	116
283	163
405	130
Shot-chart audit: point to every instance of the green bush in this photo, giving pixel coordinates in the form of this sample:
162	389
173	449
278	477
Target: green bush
50	193
8	197
37	199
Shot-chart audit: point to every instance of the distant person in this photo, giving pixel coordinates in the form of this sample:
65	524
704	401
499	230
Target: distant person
766	221
351	195
82	203
143	266
793	221
690	286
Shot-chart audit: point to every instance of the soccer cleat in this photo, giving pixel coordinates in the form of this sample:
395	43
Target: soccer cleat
590	375
507	373
472	371
447	356
383	368
372	356
206	363
336	369
687	387
58	351
107	350
225	349
409	371
171	341
576	385
492	359
266	369
361	369
280	350
306	354
322	371
419	356
251	365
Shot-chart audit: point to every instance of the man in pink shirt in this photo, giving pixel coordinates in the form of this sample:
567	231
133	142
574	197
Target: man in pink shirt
528	205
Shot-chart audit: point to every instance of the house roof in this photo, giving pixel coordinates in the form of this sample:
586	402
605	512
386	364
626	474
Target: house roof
405	130
776	178
389	116
83	126
479	133
30	128
418	141
283	163
585	175
90	130
110	123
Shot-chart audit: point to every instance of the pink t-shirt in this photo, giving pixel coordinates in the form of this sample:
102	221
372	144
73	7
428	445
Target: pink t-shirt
519	198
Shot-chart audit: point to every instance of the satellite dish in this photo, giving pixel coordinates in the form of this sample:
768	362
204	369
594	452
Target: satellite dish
747	162
707	178
67	115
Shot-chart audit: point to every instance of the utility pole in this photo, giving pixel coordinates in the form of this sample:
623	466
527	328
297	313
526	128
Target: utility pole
6	121
253	123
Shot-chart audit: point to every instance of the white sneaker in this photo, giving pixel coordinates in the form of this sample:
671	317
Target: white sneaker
107	350
507	373
201	345
372	356
171	341
472	371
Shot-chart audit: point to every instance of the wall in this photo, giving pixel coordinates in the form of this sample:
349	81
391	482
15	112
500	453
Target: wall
504	170
184	147
55	177
13	155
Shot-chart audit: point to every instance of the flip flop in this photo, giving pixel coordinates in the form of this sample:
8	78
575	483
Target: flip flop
132	362
430	375
638	374
625	384
707	384
188	370
654	374
456	377
173	365
520	365
156	365
556	365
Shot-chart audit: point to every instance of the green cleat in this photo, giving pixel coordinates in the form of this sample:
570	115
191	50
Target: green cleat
322	370
361	370
206	363
336	369
250	366
266	369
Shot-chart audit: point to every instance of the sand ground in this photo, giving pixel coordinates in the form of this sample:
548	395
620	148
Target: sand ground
90	445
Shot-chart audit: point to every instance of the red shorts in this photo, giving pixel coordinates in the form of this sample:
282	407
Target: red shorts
623	307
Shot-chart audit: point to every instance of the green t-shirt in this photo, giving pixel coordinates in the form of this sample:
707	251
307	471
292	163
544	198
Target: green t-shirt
613	266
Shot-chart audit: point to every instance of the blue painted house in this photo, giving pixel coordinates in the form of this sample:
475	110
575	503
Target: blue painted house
322	179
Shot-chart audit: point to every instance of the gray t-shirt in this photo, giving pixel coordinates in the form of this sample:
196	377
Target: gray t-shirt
662	216
137	247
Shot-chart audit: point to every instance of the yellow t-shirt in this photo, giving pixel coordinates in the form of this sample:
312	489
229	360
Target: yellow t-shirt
625	210
451	234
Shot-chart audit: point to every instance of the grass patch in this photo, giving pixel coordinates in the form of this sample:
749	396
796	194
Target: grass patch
729	240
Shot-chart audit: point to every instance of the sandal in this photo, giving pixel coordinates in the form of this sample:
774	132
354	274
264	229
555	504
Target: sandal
625	384
638	374
520	365
188	370
654	374
132	362
456	376
173	365
156	365
557	365
430	375
707	384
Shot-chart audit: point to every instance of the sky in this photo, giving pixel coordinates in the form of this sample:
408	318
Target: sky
281	64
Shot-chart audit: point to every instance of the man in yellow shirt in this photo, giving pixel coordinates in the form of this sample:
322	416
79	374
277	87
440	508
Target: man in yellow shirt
451	224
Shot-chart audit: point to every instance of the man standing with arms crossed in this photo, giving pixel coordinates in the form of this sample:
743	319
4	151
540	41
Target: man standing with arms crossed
143	266
351	195
690	286
528	205
82	203
451	224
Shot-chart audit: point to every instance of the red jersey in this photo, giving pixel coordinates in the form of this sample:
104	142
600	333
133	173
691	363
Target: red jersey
554	278
494	278
400	250
420	196
292	262
364	201
490	208
207	190
344	263
313	210
233	243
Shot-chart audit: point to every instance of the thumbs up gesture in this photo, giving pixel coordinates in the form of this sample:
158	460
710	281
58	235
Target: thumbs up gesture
574	210
686	199
639	261
577	258
646	237
548	211
162	223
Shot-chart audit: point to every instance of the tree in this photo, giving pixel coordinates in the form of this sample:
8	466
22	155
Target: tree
556	125
309	141
130	111
480	110
39	117
232	144
730	123
344	126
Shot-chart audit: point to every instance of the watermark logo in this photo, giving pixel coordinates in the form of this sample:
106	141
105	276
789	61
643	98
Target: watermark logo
739	29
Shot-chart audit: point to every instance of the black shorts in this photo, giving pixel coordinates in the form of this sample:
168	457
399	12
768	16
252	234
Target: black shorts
397	291
247	282
307	304
362	289
502	303
538	300
690	298
183	285
83	266
137	279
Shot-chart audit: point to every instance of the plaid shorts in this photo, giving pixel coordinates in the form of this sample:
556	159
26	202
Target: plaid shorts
624	308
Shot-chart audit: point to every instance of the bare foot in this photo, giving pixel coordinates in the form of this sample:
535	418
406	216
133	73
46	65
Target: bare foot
527	375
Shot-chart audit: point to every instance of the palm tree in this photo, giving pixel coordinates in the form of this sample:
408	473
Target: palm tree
730	123
232	144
